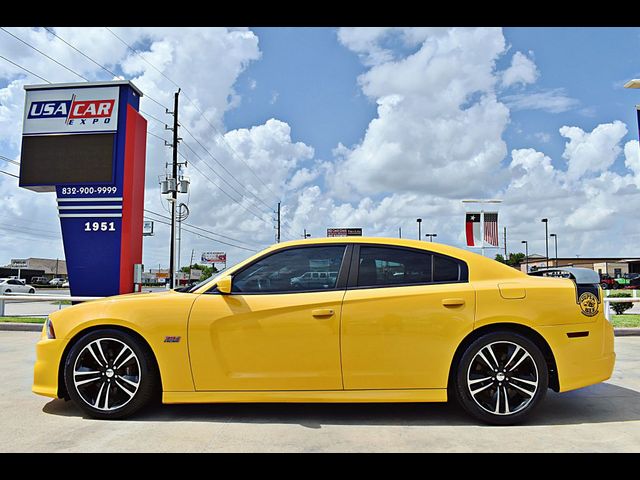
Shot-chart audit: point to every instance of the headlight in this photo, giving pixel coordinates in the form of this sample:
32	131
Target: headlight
48	328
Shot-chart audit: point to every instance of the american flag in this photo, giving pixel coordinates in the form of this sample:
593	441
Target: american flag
491	228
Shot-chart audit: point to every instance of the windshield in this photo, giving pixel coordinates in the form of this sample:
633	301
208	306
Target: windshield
193	288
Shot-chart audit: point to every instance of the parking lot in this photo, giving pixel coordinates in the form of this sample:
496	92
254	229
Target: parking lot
601	418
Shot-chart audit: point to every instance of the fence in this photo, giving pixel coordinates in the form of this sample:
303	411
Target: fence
34	297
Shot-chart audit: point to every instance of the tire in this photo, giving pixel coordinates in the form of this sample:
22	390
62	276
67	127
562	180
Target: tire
32	290
7	291
483	395
125	377
604	286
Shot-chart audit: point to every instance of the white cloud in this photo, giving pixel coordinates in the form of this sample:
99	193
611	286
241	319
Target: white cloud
632	156
553	101
522	71
425	101
592	152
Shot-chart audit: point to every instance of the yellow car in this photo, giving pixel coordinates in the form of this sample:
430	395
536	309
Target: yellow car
352	319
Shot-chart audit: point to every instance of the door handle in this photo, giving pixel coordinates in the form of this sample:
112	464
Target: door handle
452	302
323	312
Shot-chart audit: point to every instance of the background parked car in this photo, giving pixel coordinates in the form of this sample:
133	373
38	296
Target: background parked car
65	284
40	281
56	282
13	285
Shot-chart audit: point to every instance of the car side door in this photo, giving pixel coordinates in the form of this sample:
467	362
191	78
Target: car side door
278	329
404	314
16	286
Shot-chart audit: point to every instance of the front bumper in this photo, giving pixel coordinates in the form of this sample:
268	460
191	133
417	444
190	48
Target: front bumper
45	371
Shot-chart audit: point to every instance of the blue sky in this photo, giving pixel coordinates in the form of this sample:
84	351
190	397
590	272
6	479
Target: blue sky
308	79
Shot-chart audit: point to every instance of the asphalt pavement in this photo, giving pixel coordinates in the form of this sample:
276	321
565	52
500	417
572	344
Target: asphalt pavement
600	418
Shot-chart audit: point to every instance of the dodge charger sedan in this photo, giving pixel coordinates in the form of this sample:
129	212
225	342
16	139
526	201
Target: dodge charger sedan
400	321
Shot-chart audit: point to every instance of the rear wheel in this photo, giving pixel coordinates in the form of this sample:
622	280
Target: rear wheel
110	374
501	378
604	285
32	290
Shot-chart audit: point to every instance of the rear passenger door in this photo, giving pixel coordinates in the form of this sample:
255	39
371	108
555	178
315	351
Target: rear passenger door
404	313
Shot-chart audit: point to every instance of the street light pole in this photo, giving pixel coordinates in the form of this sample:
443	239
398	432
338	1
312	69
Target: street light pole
431	235
555	240
546	238
526	255
419	220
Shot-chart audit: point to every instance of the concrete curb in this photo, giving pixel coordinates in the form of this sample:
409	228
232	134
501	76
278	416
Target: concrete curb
37	327
22	327
626	332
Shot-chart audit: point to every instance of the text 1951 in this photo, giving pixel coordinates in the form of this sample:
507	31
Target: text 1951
100	227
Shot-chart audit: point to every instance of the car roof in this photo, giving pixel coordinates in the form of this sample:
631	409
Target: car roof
480	267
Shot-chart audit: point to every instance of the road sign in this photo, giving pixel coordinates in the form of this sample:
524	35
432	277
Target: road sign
344	232
147	228
18	263
214	257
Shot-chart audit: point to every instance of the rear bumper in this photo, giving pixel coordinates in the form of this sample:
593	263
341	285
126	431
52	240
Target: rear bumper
45	370
582	361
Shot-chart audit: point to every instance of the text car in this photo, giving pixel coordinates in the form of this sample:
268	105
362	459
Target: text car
401	321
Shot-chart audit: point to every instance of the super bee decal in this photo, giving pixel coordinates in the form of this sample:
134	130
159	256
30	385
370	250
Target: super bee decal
588	304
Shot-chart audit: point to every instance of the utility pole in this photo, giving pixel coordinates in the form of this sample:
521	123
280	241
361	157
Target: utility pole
278	237
546	239
174	192
505	244
191	263
399	232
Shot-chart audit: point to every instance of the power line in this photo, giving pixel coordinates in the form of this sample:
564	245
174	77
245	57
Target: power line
25	69
152	117
7	159
42	53
206	177
222	178
194	106
10	174
81	53
204	236
199	228
225	192
224	168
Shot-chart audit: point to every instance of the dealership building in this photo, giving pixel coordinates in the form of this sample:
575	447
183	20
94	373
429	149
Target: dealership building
27	268
613	266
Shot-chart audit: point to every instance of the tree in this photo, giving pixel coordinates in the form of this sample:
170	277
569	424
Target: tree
207	270
514	259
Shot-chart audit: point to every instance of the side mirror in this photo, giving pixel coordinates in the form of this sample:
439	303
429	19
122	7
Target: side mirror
224	285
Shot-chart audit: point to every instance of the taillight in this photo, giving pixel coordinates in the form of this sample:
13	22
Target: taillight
51	334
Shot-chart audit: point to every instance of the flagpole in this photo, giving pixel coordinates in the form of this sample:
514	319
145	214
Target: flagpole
482	227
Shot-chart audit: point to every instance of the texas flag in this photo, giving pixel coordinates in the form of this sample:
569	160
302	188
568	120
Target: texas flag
474	237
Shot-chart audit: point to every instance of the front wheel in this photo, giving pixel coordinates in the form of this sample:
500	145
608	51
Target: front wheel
110	374
501	378
32	290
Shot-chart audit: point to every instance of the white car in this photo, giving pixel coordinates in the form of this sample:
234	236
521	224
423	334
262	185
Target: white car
56	282
13	285
65	284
